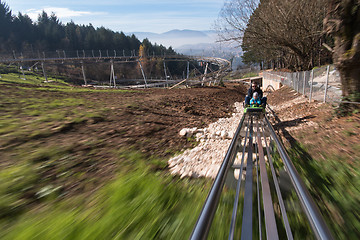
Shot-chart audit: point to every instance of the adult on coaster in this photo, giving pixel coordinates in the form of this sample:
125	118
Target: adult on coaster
255	88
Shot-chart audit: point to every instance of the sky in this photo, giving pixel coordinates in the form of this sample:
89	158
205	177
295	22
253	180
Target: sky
156	16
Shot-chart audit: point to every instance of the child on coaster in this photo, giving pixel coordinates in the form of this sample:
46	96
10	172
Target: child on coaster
255	88
255	101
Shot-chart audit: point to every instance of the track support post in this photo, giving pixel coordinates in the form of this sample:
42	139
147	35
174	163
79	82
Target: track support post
44	72
83	72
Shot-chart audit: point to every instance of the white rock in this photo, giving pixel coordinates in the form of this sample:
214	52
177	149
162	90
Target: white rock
183	132
195	149
187	159
206	158
180	160
223	134
193	130
172	164
231	135
200	130
199	136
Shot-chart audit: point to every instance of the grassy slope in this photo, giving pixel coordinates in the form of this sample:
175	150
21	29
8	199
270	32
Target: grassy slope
139	203
336	190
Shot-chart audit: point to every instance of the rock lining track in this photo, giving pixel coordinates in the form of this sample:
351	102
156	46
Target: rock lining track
204	160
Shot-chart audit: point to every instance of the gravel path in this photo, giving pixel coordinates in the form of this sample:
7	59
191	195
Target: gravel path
205	159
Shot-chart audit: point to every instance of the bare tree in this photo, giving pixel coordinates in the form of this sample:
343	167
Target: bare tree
282	31
234	19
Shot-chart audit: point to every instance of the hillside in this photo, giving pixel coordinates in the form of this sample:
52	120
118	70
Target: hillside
72	156
325	149
76	160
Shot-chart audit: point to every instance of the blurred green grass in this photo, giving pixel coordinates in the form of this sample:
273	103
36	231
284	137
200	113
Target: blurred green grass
142	201
138	204
334	184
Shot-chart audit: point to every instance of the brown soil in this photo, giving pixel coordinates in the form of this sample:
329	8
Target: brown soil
316	126
150	120
147	120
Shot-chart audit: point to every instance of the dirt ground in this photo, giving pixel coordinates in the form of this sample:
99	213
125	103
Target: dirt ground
150	120
147	120
316	125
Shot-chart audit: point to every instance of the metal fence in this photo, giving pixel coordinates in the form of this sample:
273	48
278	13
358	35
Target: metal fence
321	84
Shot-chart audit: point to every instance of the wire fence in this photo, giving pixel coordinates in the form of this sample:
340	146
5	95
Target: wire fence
321	84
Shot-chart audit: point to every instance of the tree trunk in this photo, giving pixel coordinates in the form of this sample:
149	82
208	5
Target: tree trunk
350	82
343	23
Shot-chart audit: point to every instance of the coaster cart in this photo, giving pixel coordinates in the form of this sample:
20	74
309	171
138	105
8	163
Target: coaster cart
254	108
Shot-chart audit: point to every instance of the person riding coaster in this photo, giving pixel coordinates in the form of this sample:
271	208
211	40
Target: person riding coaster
257	103
255	89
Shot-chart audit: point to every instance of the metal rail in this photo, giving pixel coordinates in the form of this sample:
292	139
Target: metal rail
313	214
261	133
204	221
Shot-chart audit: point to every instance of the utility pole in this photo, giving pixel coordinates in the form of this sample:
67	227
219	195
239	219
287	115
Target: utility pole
22	68
304	83
188	69
311	84
187	72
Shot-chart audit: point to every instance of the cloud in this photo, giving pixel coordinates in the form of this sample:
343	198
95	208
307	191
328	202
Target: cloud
129	16
61	13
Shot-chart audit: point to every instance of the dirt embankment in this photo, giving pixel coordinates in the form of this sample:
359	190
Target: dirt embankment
147	120
150	120
315	124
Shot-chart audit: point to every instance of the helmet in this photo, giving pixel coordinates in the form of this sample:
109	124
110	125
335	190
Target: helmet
255	94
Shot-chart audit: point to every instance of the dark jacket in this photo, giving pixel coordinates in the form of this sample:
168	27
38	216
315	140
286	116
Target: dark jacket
258	90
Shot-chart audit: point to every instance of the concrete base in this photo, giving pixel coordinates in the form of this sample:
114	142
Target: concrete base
270	85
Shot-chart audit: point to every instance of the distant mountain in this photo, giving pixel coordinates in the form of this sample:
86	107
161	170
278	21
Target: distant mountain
142	35
176	38
185	34
192	42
